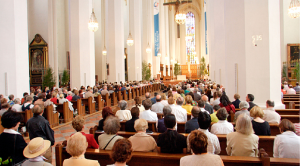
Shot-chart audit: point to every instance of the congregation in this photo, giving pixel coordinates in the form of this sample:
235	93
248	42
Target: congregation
205	102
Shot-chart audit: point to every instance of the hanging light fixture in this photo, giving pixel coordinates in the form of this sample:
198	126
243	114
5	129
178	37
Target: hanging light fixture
104	51
148	49
129	39
294	9
93	23
159	54
180	17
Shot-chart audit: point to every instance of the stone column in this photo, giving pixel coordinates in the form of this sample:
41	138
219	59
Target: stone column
135	52
82	44
114	40
244	48
162	33
14	62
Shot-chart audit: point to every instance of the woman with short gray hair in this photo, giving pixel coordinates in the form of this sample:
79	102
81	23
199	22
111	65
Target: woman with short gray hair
243	142
17	106
222	126
123	114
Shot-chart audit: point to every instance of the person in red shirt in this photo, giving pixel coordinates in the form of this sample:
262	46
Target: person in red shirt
225	102
54	98
78	125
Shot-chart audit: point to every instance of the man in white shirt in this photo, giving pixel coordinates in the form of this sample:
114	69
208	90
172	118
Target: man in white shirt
222	126
286	87
291	90
270	115
204	121
158	106
179	112
17	106
201	105
148	114
297	87
123	114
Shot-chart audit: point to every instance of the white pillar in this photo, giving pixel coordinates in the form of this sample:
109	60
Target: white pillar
114	40
82	45
162	33
14	75
231	35
134	52
167	39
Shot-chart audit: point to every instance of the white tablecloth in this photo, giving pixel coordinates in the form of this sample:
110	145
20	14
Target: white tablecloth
181	77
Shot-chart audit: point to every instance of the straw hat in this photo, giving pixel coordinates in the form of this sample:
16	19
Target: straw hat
36	147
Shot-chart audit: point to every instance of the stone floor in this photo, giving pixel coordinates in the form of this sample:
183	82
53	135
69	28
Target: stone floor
64	131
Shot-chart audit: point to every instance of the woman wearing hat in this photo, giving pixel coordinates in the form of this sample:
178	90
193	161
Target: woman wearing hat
35	150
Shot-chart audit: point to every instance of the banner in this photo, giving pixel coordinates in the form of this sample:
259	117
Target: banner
205	26
156	26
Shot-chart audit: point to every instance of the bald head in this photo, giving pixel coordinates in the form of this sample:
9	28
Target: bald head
147	95
158	98
204	98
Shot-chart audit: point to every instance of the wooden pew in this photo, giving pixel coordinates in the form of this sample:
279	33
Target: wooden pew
114	100
99	102
163	159
64	111
91	105
107	99
143	90
27	114
265	142
140	91
287	96
125	96
288	111
120	97
151	125
291	99
53	118
133	93
137	92
1	127
80	108
292	118
129	94
291	104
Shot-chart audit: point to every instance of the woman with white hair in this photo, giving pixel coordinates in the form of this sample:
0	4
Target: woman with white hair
17	106
123	114
242	142
141	141
62	99
69	97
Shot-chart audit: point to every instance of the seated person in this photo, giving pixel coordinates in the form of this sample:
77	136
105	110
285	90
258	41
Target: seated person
148	114
158	106
243	142
160	125
11	140
226	103
35	150
193	123
199	144
204	122
106	112
123	114
237	101
260	126
222	126
138	103
188	107
141	141
17	106
129	125
287	144
121	152
27	104
244	106
62	100
270	115
76	95
213	116
40	100
78	125
109	137
171	141
4	109
76	147
54	98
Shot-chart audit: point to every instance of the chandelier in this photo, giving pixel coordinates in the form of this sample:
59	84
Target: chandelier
159	54
130	40
93	23
104	51
148	49
180	18
294	9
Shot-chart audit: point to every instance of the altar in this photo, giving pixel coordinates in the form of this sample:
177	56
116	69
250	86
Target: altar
181	77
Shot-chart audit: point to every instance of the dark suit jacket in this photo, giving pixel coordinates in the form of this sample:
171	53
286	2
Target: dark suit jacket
209	108
129	125
236	103
191	125
161	128
251	105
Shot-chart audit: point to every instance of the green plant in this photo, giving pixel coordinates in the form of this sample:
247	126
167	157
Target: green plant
177	69
203	70
146	74
48	79
283	73
296	72
65	78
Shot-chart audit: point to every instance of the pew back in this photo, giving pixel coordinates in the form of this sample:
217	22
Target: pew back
53	118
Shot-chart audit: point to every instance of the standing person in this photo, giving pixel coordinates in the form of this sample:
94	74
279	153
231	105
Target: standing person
38	126
12	143
287	144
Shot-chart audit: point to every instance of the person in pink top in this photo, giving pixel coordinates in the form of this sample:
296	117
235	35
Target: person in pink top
69	97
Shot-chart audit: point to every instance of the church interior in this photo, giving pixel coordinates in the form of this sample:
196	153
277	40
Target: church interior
108	52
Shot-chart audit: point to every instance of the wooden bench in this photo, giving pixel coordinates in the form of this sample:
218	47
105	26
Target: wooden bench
1	127
288	111
291	99
114	100
27	114
163	159
265	142
143	90
91	105
125	96
80	107
133	93
292	118
129	94
65	112
107	99
53	118
286	96
119	96
291	104
99	102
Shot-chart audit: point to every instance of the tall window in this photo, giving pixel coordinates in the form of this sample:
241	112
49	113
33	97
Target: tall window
190	37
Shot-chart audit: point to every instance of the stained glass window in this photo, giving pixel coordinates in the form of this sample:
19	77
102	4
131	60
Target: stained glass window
190	37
